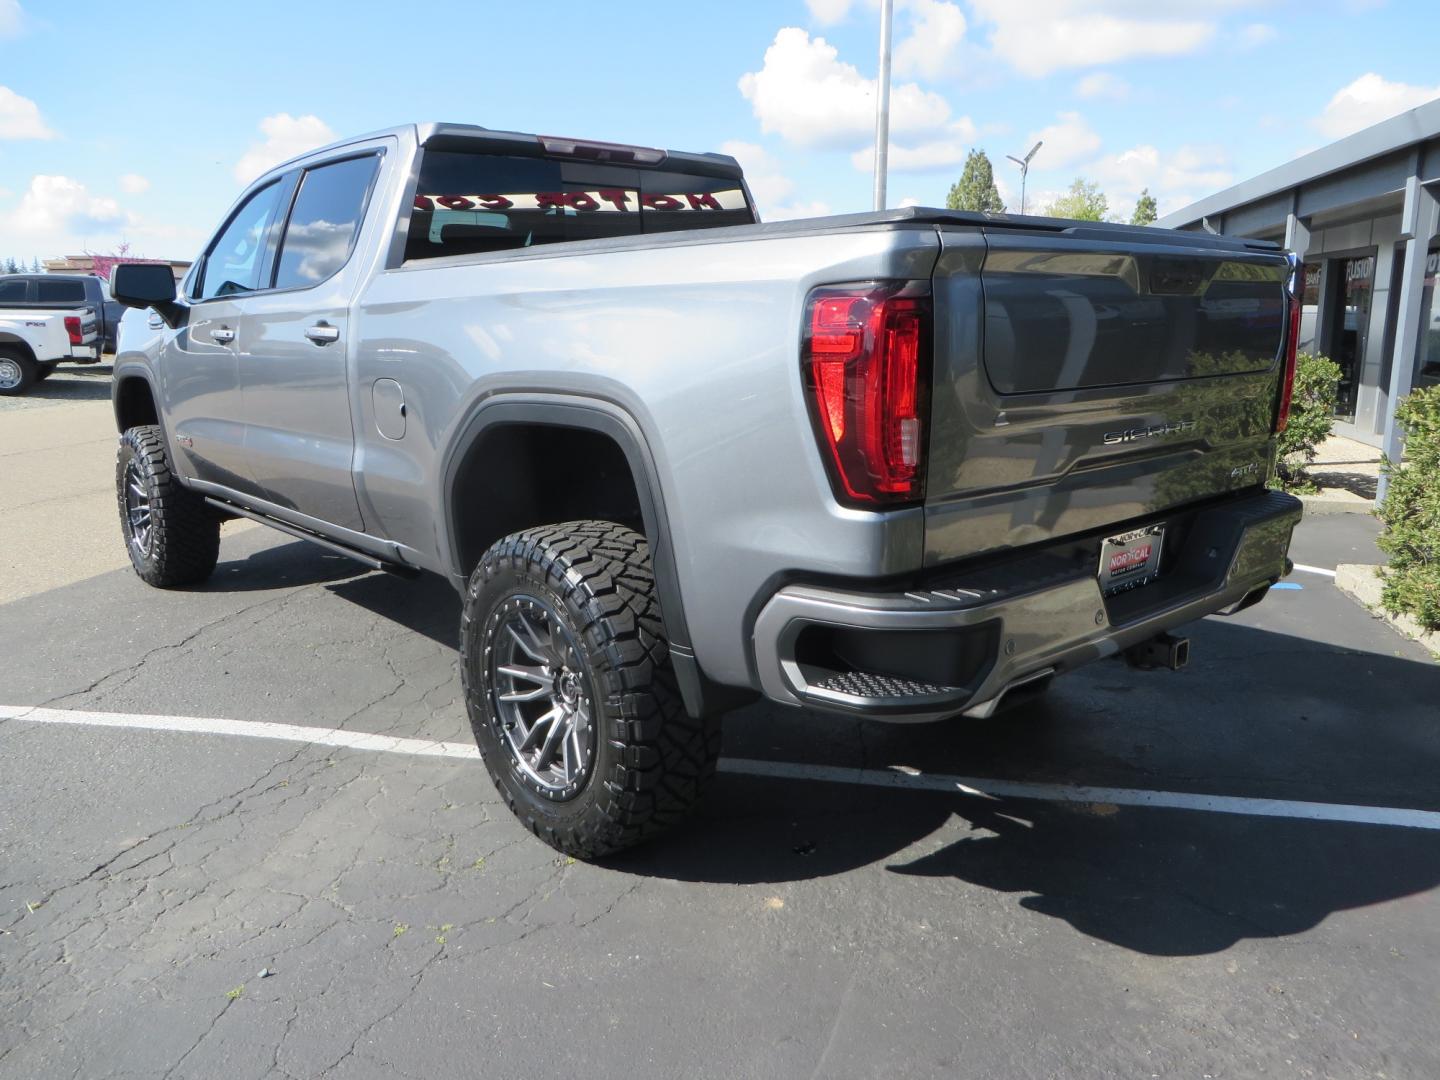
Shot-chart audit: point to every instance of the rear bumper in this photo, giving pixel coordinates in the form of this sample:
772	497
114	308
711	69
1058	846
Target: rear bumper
962	646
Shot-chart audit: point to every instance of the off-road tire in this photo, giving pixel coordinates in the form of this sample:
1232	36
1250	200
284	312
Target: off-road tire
184	543
651	761
28	370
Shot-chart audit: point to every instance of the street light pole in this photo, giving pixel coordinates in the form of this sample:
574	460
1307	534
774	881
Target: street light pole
882	107
1024	170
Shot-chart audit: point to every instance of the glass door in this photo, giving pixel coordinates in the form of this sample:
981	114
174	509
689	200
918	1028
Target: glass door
1354	280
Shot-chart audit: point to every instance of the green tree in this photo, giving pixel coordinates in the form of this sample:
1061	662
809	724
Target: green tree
11	266
35	267
1145	210
975	190
1083	202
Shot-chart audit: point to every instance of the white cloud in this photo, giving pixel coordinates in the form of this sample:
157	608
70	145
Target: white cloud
1257	34
59	204
1040	36
791	211
1102	84
1171	177
762	173
285	137
1368	100
808	96
1066	141
770	187
936	29
134	184
826	12
20	117
12	19
947	149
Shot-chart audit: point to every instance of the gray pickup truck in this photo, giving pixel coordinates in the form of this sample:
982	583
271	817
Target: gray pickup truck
904	465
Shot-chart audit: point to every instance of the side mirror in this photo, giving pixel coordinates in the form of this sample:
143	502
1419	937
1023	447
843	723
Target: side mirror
146	285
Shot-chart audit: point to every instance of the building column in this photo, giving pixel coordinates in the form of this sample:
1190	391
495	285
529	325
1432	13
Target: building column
1297	236
1418	224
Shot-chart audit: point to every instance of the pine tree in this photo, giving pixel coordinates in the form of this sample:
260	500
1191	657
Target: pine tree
1145	211
975	190
1084	201
11	266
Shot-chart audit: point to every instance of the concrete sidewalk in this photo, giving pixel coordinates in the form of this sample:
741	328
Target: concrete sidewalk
1347	473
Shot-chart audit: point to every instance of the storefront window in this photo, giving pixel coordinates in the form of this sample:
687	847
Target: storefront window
1309	306
1427	351
1351	325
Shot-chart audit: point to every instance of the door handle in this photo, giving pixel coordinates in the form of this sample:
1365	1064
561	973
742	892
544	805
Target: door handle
223	334
321	334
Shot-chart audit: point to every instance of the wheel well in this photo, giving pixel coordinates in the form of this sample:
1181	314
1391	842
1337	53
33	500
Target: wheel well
516	476
11	343
134	403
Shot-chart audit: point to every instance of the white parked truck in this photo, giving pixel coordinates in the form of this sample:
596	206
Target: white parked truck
33	341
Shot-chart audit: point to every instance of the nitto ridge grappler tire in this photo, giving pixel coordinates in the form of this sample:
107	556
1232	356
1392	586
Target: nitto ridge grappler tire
172	536
570	691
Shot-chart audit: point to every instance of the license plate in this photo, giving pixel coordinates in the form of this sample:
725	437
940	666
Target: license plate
1131	559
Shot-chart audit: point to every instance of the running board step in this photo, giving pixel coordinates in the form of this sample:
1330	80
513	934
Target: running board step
372	561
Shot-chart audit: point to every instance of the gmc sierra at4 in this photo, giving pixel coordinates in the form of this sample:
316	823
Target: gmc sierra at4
904	465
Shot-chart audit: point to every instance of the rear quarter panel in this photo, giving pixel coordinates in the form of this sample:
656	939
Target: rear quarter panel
699	344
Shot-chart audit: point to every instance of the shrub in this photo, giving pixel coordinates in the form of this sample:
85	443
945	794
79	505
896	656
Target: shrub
1411	513
1312	415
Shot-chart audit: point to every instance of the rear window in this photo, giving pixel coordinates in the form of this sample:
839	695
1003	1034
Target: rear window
467	204
59	292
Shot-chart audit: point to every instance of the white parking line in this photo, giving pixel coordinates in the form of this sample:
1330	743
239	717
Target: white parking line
1314	570
902	779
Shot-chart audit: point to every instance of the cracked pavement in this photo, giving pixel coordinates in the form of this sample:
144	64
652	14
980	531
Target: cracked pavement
410	928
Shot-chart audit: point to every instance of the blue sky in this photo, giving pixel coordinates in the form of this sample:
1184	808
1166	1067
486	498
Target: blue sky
138	122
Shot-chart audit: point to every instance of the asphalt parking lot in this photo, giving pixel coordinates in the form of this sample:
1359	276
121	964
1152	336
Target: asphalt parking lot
1254	890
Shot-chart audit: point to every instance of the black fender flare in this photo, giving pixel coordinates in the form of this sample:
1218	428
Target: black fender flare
606	418
609	419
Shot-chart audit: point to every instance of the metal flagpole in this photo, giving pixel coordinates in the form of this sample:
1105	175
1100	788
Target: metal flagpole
882	108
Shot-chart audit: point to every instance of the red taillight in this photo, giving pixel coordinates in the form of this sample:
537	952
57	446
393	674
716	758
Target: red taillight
865	360
72	327
1287	384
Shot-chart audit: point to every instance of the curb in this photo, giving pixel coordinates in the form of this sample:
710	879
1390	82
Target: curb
1336	504
1359	581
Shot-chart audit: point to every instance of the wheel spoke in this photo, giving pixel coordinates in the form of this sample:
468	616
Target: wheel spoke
544	684
547	721
558	728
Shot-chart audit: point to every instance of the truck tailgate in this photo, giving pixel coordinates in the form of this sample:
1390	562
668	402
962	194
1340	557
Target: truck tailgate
1084	380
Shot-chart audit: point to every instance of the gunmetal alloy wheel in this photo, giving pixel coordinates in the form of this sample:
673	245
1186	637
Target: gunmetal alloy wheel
136	500
571	693
171	535
542	701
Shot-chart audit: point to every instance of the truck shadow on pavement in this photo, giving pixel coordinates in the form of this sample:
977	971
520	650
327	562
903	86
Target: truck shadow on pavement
1261	714
1331	725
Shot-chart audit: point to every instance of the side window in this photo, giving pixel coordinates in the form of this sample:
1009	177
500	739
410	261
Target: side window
13	291
237	257
59	291
324	221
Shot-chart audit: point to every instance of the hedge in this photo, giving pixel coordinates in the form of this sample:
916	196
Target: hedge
1411	513
1312	415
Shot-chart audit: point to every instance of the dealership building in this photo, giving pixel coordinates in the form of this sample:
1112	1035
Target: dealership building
1362	214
